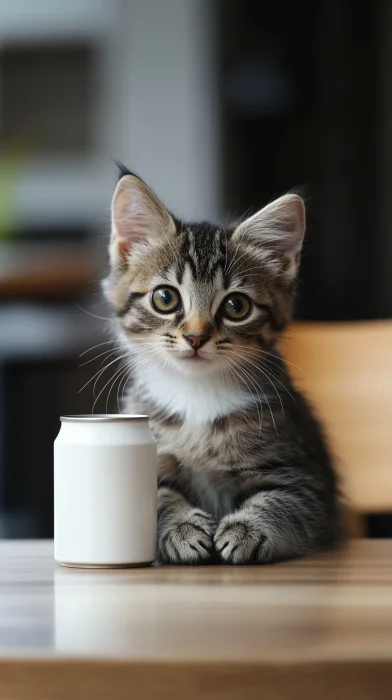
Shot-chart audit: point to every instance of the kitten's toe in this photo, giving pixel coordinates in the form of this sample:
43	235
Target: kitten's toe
189	540
238	539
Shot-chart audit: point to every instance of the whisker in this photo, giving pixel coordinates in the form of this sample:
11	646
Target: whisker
116	359
238	370
89	313
268	374
106	352
261	389
260	352
117	375
154	364
285	361
100	371
124	370
119	370
97	346
279	382
124	377
104	370
134	363
231	373
130	374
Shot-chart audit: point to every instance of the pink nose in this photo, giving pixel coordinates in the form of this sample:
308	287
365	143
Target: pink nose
196	341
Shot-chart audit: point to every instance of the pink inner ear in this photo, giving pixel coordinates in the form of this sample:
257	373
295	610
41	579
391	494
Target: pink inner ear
133	217
123	248
280	225
137	217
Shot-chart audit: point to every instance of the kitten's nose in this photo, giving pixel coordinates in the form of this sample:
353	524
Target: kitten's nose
196	341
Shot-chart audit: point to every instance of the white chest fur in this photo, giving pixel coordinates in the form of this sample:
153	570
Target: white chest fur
196	400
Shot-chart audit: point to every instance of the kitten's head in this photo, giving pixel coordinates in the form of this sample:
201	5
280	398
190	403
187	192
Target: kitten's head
197	297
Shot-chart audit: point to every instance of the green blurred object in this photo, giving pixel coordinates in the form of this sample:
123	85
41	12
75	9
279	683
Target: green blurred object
9	165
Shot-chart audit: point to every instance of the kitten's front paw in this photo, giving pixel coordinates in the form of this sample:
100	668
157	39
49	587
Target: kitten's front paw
188	539
239	540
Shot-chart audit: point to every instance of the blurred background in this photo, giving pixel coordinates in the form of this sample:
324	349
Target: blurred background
221	105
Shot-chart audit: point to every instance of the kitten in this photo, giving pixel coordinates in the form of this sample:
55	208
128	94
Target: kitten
244	473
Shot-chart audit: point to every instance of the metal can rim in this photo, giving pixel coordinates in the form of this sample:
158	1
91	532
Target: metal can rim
103	418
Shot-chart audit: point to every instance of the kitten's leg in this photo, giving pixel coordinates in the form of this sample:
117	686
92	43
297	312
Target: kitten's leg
271	525
185	533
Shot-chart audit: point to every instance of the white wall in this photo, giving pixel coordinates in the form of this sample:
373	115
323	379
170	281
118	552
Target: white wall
156	106
164	101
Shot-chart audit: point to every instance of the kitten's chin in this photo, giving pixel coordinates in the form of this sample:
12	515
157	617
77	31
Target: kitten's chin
194	366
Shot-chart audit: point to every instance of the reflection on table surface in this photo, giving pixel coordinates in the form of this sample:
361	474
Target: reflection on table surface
334	606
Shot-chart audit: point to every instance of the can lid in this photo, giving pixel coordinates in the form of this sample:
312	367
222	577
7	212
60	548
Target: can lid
102	418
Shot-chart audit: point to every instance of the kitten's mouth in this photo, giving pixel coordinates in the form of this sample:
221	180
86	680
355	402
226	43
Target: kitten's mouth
194	363
193	357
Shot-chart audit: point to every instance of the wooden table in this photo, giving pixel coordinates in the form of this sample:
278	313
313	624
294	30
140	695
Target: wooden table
312	629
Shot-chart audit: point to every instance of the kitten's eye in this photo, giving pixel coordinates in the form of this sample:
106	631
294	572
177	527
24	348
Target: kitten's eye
166	300
236	307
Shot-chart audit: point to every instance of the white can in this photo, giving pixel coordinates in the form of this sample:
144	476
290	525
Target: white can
105	492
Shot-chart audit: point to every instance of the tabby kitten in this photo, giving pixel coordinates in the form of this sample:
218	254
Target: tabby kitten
244	472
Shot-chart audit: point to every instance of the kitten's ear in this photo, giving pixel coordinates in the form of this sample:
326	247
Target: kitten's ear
137	217
279	227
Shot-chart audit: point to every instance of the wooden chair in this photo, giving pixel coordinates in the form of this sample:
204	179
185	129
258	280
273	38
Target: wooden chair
346	370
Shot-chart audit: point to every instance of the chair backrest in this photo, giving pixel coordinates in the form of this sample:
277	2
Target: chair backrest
346	371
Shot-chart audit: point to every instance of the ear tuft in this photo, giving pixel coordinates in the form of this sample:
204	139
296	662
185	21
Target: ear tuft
123	170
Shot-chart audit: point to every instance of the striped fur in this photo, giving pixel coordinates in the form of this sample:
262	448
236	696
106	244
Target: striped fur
244	474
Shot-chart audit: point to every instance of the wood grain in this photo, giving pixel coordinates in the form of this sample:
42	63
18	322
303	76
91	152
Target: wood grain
118	680
346	370
303	629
